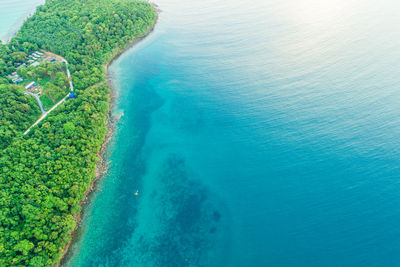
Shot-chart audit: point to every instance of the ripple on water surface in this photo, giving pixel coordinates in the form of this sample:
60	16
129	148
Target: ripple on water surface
258	133
13	13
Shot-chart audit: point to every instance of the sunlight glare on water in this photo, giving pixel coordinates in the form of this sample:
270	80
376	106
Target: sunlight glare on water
13	13
258	133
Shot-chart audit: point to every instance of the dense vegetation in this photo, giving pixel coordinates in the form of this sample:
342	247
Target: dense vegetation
17	112
13	54
44	175
52	79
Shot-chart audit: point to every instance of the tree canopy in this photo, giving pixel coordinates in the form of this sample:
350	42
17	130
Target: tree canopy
17	112
44	175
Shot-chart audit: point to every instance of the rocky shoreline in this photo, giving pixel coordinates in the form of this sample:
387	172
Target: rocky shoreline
103	165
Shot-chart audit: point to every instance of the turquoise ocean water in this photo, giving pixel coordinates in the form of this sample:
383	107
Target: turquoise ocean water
12	15
256	133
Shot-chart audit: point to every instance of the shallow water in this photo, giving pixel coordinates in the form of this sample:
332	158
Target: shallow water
257	133
13	14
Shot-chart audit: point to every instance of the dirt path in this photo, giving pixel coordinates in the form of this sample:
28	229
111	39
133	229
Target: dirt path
44	113
38	100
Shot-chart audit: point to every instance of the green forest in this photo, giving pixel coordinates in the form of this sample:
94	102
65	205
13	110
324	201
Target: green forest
44	174
17	112
52	79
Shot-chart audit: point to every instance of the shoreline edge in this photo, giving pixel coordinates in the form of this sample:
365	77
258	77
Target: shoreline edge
102	164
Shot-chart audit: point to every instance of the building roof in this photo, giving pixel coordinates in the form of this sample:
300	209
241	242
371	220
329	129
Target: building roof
30	85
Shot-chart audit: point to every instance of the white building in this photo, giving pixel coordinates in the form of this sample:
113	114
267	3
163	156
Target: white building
30	85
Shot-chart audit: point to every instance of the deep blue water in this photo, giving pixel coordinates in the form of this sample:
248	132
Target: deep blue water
257	133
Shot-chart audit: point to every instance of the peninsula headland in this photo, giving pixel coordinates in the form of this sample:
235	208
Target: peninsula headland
46	173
